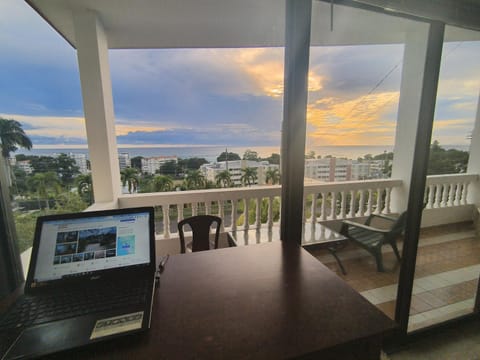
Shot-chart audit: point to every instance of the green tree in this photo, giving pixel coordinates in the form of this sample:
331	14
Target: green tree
273	176
43	184
442	161
310	155
85	187
12	136
230	156
273	159
168	168
250	155
249	175
42	164
194	180
129	177
223	179
191	164
162	183
66	169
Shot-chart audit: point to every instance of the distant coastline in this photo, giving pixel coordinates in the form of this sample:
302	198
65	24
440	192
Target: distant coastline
210	153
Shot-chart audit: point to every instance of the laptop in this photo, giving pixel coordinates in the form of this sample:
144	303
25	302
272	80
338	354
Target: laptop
91	278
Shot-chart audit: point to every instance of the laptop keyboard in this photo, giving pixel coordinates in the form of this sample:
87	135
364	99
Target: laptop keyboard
31	310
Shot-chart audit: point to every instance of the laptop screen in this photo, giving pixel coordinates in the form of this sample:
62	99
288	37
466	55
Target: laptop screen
76	246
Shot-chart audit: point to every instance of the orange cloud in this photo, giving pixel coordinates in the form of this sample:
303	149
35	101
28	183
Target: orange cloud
358	121
267	71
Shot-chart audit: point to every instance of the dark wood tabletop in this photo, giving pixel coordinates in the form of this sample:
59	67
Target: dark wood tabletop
267	301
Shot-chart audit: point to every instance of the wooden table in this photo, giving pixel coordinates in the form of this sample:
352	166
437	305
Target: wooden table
267	301
314	236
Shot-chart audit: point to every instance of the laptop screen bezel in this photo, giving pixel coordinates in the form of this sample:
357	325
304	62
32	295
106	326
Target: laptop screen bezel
132	270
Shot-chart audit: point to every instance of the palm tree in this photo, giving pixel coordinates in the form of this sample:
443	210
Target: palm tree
273	176
43	183
249	176
129	176
223	178
162	183
84	187
194	180
12	136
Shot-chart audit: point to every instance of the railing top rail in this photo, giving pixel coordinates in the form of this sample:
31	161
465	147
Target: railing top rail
451	178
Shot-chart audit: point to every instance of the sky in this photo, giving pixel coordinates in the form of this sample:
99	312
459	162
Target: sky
230	97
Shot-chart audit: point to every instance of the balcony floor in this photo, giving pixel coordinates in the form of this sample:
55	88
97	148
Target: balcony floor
448	267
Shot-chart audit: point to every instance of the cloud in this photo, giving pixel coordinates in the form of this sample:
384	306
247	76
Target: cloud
334	121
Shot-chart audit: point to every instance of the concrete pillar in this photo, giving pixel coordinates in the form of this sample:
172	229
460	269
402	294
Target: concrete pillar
474	160
414	58
92	53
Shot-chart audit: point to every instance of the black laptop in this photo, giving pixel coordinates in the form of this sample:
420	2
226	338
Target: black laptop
91	278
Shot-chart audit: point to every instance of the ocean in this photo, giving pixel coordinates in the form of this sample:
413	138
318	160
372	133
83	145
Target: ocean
210	153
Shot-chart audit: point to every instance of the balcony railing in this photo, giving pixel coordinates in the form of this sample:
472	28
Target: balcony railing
322	202
447	190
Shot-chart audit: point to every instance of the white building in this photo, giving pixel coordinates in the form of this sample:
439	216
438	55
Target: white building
152	164
328	169
210	171
123	160
80	161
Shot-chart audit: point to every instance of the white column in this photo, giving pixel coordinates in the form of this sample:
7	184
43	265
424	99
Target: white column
92	52
474	160
408	113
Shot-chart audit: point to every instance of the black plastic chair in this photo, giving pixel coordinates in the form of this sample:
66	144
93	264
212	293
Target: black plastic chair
372	239
200	225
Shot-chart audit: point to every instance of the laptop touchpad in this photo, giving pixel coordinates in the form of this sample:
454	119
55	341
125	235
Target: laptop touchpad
52	337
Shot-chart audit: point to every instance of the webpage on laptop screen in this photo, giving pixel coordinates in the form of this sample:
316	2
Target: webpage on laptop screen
77	246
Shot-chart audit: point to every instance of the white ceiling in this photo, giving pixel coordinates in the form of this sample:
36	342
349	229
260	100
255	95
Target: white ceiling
226	23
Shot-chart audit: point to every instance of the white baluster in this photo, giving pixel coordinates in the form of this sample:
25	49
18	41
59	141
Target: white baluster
234	214
194	209
458	195
313	208
444	201
343	204
378	208
246	209
258	213
451	195
221	214
361	204
323	215
208	207
166	221
388	193
369	202
180	212
431	193
438	195
270	212
353	194
334	206
465	193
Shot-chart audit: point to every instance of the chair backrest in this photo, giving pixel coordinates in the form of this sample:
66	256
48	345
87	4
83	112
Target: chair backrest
200	226
399	225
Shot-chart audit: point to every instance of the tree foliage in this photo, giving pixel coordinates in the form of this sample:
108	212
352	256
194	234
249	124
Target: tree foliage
12	136
249	175
443	161
230	156
129	177
250	155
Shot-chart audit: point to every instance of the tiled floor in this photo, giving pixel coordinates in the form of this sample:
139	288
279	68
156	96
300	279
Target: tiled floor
446	277
461	342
